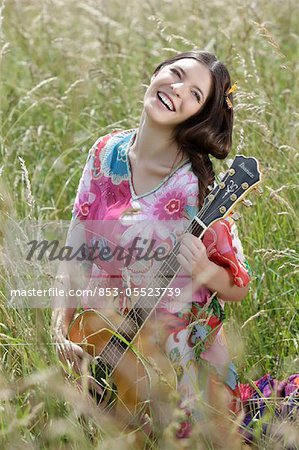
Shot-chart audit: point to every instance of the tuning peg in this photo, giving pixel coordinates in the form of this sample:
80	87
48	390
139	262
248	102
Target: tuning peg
246	202
236	215
229	162
258	190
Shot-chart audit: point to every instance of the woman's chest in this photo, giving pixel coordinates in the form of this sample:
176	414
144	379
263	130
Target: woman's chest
151	191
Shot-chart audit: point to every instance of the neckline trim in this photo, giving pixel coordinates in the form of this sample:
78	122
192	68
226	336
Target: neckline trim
130	173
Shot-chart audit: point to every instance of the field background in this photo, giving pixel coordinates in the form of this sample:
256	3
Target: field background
72	71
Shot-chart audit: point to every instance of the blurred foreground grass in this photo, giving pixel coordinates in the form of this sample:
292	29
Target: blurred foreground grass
73	71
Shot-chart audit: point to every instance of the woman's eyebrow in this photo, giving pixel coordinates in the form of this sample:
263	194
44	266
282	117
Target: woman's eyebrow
184	73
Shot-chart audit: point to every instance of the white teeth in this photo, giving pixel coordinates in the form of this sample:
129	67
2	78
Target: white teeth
165	100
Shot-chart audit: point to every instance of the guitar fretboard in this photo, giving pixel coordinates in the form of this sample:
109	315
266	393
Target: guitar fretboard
144	305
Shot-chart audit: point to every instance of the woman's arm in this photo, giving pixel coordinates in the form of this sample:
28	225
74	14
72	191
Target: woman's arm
194	260
72	275
62	315
219	279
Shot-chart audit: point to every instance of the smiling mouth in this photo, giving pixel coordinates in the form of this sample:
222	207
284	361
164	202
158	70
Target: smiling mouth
166	101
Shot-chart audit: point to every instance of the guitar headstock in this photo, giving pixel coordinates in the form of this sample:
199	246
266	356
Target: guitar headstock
242	176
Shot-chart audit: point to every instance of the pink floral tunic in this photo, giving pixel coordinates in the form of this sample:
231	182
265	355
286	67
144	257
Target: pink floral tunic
106	193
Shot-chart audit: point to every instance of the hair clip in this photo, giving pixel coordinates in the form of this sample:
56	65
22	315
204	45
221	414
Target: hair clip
232	89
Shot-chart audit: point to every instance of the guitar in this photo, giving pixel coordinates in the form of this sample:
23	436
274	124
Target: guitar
135	376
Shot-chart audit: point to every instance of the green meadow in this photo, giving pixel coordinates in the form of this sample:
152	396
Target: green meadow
72	71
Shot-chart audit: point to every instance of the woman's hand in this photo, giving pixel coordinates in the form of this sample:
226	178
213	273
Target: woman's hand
193	256
76	358
70	353
194	260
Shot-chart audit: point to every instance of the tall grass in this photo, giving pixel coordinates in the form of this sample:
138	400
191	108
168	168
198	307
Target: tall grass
71	72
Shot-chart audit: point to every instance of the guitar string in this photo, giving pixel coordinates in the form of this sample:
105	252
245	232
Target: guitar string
135	312
109	352
112	353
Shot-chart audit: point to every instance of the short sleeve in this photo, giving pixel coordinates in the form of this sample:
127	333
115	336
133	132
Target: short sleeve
76	237
88	202
91	172
80	207
225	249
78	268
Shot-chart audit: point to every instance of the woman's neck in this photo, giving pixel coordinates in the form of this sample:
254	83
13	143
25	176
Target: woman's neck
153	145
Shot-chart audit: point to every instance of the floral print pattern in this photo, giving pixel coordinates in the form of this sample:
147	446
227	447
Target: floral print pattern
170	206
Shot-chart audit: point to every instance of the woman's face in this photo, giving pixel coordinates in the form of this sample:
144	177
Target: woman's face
177	92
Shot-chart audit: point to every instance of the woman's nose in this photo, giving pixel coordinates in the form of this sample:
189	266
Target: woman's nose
178	88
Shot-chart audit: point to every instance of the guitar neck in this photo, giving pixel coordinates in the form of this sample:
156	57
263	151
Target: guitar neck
145	305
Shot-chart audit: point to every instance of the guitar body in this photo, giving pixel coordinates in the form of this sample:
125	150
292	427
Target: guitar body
142	379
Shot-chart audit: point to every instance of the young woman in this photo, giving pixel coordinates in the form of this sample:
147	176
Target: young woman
161	171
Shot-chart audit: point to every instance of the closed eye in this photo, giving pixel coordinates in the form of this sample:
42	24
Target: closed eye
176	72
198	98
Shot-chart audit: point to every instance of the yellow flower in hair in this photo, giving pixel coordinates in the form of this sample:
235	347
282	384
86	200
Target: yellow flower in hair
232	89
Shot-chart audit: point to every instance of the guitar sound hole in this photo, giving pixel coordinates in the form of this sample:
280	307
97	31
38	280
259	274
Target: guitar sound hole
100	372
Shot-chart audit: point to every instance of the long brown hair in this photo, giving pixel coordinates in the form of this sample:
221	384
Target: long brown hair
210	130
